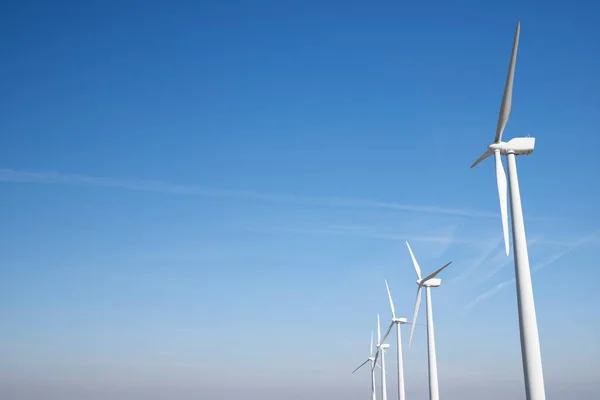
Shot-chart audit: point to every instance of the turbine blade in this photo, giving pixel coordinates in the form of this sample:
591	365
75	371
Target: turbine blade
360	366
375	358
414	260
378	331
389	329
390	297
505	107
371	348
502	194
433	275
415	315
386	373
483	157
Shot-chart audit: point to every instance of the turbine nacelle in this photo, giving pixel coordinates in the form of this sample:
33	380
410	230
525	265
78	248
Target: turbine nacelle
399	320
519	146
432	282
384	346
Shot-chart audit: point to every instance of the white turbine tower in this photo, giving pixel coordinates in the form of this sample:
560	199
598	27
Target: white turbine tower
429	282
398	322
371	359
530	342
383	347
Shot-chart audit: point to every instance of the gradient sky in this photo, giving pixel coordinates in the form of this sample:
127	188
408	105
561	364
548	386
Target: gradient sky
201	199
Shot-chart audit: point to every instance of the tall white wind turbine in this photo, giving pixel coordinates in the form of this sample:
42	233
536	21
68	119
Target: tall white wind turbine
371	360
398	322
530	343
381	348
428	282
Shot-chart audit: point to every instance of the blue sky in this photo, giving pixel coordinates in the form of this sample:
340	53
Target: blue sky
205	197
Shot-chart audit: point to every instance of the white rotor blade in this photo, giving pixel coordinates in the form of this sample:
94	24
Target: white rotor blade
391	301
415	315
502	194
414	260
382	369
360	366
371	348
508	88
389	329
378	331
375	359
483	157
433	275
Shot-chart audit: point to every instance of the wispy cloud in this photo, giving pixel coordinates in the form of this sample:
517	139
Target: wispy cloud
536	268
443	239
488	294
15	176
555	257
501	260
441	248
488	248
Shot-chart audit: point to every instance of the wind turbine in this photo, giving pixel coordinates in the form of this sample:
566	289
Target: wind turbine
530	341
383	347
429	282
371	359
398	322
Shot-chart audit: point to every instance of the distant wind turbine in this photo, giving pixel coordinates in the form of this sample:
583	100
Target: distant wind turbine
383	347
371	360
398	322
530	342
429	282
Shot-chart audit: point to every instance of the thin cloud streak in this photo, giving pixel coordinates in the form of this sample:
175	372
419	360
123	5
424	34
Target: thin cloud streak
488	249
537	268
489	293
15	176
552	259
439	239
501	260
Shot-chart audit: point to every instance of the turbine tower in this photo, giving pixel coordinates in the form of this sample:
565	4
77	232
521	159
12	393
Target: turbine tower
371	359
398	322
530	342
429	282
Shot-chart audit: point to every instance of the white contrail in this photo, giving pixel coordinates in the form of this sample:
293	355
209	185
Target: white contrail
15	176
538	267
